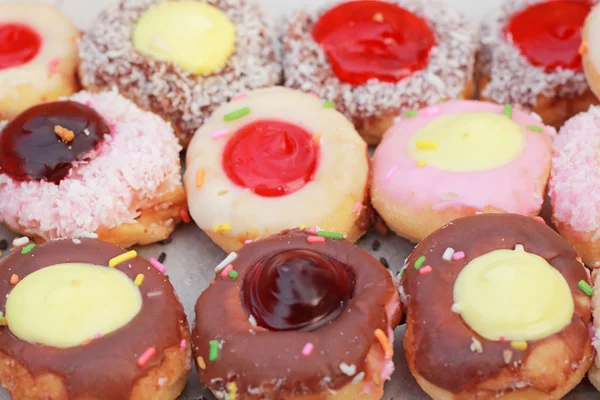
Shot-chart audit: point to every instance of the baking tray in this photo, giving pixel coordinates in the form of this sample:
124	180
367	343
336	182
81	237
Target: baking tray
191	260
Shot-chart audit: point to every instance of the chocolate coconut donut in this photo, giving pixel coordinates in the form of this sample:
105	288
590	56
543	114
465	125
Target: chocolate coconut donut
511	314
379	59
84	319
300	316
180	59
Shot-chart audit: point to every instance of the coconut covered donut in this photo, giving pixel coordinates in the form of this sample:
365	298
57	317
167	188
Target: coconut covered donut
575	183
459	158
299	319
84	319
530	56
590	49
511	314
180	59
378	59
38	56
277	159
91	166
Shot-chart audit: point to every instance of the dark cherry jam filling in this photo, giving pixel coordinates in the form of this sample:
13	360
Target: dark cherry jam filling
31	149
369	39
548	34
19	44
272	158
297	290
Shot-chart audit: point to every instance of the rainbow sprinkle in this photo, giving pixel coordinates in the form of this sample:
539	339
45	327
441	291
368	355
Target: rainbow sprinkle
508	109
14	279
199	178
248	241
419	262
330	235
182	345
239	97
20	241
425	270
391	173
219	133
201	363
519	344
113	262
237	114
458	255
315	239
233	274
222	228
225	272
585	287
214	350
448	254
358	207
139	279
27	248
535	128
426	145
519	247
421	163
228	260
185	216
308	349
146	356
410	113
232	390
158	265
385	343
432	111
329	104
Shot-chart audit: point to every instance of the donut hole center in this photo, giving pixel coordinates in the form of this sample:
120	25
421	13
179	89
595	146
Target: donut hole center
272	158
513	295
43	142
72	302
548	34
371	39
297	290
19	44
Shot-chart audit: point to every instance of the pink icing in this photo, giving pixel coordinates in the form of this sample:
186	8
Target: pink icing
511	187
574	186
135	165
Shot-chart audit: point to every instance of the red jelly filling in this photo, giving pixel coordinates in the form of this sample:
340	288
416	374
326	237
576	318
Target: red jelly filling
30	148
370	39
297	290
273	158
19	44
548	34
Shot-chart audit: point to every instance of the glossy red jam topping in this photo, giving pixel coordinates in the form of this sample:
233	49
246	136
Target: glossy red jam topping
370	39
19	44
35	145
297	290
548	34
273	158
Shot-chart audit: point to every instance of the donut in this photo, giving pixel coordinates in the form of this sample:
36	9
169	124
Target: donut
498	307
530	56
456	159
298	318
590	49
575	183
376	59
86	319
277	159
180	59
93	165
38	56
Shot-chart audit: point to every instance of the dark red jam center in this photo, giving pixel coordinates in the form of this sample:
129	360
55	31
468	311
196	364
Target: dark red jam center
30	149
273	158
370	39
297	290
19	44
548	34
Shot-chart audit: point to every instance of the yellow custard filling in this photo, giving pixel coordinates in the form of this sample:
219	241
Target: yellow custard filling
513	295
194	35
65	305
466	142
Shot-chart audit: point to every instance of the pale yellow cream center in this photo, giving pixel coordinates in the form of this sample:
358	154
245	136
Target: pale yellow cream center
465	142
194	35
513	295
65	305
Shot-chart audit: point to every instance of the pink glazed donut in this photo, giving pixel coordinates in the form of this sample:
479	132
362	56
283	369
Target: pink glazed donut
574	186
456	159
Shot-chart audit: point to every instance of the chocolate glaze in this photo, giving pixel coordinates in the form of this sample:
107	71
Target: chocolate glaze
272	360
31	150
440	346
106	368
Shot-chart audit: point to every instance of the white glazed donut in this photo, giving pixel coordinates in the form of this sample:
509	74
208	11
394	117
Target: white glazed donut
329	192
38	56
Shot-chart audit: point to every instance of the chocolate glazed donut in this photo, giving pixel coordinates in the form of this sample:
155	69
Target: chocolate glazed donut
108	367
448	358
297	316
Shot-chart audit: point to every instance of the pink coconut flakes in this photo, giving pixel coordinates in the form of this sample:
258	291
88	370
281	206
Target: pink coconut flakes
136	164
